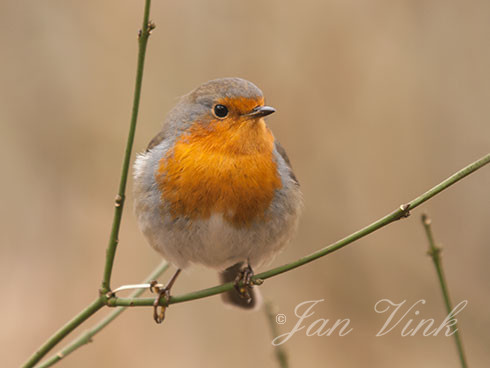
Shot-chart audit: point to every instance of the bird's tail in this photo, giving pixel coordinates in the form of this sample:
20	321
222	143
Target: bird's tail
232	297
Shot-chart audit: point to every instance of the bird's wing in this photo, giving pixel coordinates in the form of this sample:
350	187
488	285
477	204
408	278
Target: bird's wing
280	149
156	140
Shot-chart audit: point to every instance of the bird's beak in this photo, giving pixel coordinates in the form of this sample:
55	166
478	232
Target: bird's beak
261	111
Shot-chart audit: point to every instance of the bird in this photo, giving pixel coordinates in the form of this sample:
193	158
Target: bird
216	188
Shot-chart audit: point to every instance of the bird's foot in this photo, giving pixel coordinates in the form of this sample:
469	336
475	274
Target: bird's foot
159	310
163	293
244	284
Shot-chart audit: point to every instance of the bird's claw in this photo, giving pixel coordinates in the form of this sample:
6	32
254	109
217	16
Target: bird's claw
163	292
159	310
155	286
243	283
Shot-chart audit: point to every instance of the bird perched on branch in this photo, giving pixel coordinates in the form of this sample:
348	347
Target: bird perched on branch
215	187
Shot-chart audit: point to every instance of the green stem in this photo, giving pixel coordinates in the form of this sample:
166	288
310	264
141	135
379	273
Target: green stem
119	204
279	351
435	253
65	330
144	34
402	211
87	336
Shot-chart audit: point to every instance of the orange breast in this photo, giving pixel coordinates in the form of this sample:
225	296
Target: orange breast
224	168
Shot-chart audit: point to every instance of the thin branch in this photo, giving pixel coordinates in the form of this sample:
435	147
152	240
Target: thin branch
87	336
107	298
401	212
143	36
65	330
279	351
435	253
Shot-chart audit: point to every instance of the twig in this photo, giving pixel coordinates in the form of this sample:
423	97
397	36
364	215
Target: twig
86	337
435	253
143	35
401	212
279	351
107	298
65	330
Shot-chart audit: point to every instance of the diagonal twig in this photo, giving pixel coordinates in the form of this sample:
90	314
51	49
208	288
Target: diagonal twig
143	36
86	337
435	253
401	212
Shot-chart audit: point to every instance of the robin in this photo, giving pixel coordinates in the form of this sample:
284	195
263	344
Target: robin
215	187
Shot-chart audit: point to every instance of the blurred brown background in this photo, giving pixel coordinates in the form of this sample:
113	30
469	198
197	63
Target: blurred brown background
377	102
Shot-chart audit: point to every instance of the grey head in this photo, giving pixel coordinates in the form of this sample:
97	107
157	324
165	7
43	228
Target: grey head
207	93
198	105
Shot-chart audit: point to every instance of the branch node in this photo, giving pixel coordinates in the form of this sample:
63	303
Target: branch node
258	282
435	252
405	208
118	201
151	27
103	292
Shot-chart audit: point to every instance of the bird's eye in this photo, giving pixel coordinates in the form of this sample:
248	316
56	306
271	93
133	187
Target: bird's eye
220	111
